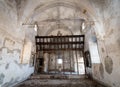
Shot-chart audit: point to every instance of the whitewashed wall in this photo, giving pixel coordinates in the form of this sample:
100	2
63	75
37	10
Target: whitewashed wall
107	71
12	39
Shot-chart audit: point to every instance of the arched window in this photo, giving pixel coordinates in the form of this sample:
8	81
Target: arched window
94	50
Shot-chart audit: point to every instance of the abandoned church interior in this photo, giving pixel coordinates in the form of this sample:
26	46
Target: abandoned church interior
59	43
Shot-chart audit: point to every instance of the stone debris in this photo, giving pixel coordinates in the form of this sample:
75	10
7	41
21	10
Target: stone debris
59	83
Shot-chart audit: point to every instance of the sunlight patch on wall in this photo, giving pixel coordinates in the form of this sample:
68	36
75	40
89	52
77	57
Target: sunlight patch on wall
94	52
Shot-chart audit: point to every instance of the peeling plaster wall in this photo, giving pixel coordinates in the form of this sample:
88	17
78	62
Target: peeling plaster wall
108	70
110	46
12	37
12	71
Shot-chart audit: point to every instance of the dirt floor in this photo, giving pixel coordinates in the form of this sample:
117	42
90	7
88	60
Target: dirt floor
59	83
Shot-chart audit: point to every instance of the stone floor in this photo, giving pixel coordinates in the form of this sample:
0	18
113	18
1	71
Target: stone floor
59	83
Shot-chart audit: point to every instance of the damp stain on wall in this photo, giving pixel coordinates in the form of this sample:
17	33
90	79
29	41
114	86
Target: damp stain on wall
7	84
108	65
2	76
11	82
101	68
0	58
103	50
18	64
7	66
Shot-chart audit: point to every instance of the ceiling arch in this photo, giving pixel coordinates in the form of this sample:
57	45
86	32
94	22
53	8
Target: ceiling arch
63	28
41	8
82	6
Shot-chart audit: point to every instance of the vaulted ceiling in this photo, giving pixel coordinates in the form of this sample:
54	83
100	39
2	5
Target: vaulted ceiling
56	15
65	15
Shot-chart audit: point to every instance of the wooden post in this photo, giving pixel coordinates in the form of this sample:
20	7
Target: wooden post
48	63
72	53
63	61
76	56
84	55
35	64
69	55
55	62
73	59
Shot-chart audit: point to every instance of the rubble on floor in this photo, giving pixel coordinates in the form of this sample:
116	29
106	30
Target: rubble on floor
37	82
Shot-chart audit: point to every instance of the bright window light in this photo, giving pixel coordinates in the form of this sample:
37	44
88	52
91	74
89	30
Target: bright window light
94	53
35	27
83	26
59	61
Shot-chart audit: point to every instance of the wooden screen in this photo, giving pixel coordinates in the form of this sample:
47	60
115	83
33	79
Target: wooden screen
52	43
72	44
